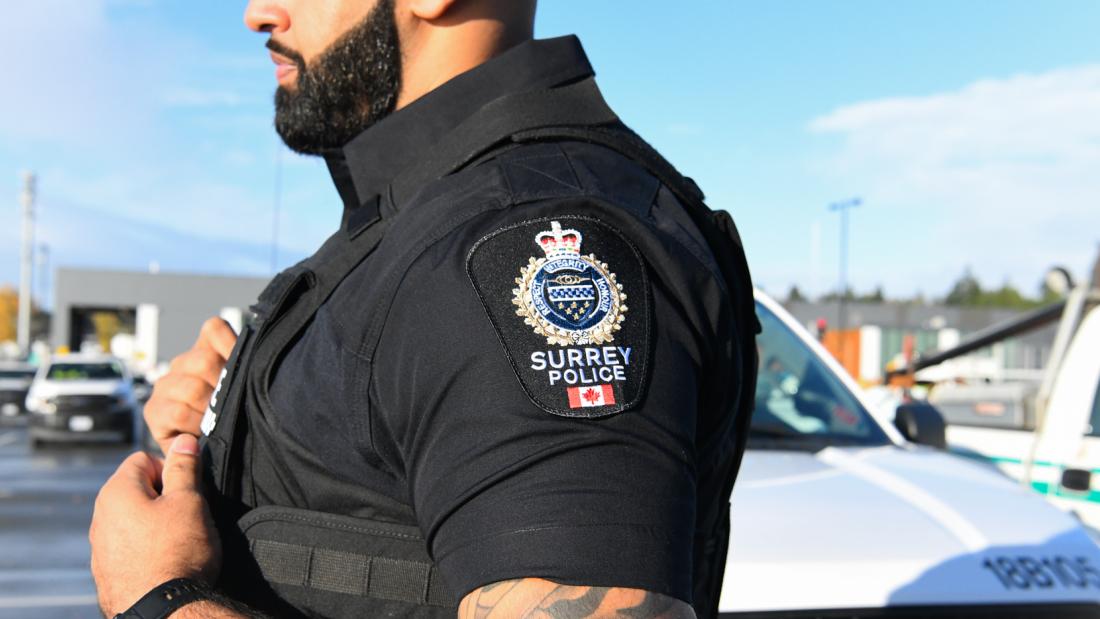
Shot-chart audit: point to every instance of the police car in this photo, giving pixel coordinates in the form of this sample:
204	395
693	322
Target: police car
15	381
836	515
81	398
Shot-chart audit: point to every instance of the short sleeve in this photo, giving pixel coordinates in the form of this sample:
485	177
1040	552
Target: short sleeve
539	384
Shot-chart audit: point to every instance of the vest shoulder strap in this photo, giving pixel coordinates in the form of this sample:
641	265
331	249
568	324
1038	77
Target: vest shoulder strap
579	103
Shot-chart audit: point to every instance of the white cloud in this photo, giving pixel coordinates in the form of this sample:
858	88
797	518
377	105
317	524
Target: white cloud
1003	175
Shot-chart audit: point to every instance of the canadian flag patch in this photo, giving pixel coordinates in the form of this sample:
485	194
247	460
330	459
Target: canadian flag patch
593	395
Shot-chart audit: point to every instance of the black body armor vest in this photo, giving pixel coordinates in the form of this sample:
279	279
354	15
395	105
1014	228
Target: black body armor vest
294	562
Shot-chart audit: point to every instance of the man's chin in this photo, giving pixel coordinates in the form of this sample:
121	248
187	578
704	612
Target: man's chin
287	89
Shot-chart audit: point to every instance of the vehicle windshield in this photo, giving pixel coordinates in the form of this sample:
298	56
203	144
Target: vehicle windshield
800	402
20	374
84	371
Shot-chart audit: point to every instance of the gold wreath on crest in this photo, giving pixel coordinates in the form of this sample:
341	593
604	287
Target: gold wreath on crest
601	333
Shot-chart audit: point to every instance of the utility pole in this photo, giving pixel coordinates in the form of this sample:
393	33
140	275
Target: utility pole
26	266
276	203
842	286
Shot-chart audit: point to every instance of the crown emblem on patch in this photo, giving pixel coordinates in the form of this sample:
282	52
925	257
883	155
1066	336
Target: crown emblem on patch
557	242
567	297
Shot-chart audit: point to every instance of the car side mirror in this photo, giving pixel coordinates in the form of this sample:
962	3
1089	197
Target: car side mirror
1077	480
921	423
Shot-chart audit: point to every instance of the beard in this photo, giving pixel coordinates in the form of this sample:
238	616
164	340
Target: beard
349	87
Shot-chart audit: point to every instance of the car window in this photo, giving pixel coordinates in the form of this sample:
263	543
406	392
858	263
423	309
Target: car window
23	374
84	371
799	400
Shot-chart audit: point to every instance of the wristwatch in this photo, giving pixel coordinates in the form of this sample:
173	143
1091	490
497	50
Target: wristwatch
166	599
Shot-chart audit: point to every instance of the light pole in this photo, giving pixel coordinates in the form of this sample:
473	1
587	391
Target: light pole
26	265
842	286
276	203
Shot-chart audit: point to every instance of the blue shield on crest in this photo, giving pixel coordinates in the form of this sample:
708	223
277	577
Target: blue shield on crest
570	293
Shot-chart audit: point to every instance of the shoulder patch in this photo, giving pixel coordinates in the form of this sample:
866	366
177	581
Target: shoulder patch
570	300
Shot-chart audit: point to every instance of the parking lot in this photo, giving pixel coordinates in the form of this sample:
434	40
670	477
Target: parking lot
46	499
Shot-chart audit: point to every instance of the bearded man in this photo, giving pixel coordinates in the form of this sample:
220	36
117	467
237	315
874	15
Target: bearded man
515	382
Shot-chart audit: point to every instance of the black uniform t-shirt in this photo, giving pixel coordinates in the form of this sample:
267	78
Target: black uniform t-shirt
519	367
505	488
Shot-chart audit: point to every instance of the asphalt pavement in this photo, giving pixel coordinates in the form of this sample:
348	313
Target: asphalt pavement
46	499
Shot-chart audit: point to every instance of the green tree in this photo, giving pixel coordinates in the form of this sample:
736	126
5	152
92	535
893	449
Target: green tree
9	312
966	291
794	295
849	295
878	295
1005	296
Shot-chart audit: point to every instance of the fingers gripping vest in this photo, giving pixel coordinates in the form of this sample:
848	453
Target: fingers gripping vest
294	562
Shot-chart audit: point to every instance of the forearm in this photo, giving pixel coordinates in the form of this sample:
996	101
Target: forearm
534	597
220	607
206	609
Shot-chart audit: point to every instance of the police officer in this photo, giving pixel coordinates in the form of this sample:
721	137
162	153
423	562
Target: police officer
514	382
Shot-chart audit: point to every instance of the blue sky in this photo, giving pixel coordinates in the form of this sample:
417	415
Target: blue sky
970	129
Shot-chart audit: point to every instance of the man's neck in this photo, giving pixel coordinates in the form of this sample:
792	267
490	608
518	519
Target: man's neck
437	55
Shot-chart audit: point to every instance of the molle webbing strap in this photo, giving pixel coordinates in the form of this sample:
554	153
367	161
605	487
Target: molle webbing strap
576	104
414	582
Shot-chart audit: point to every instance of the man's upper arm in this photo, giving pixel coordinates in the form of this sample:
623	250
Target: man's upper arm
512	478
535	597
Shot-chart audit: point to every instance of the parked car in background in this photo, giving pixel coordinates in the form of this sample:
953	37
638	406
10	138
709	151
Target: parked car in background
81	398
143	389
835	514
15	382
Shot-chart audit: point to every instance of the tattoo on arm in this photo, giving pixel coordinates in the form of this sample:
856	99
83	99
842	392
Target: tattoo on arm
535	598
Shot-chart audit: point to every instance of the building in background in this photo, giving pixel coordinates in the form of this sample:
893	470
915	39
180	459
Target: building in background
884	333
145	318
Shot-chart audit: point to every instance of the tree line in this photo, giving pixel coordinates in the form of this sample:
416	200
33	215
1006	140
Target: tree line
966	291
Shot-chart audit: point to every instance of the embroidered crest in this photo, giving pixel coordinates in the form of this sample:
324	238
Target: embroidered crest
568	298
564	323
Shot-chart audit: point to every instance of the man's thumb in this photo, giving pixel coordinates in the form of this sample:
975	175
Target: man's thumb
182	465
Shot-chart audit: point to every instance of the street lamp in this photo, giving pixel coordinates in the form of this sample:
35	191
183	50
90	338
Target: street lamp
842	287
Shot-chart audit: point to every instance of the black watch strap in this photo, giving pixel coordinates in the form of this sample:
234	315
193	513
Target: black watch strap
166	599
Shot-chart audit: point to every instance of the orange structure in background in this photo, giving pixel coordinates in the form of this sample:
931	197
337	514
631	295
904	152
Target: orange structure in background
844	345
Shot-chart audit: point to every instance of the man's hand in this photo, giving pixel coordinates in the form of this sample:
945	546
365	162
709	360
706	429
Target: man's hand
180	397
142	537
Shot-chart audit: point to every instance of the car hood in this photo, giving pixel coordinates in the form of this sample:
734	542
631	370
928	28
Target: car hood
870	527
14	384
48	388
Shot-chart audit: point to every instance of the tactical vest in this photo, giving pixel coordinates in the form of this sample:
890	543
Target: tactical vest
294	562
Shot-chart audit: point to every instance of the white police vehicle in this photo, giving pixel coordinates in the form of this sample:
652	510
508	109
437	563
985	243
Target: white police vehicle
835	514
81	398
